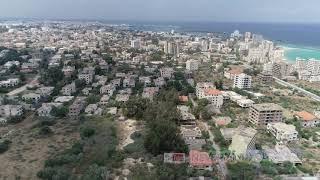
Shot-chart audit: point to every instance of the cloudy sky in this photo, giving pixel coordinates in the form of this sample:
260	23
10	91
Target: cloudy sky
166	10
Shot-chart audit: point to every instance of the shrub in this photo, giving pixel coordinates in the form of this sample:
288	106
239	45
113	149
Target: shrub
87	132
4	146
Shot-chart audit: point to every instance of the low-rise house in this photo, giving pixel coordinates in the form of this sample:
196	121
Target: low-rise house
87	75
120	75
222	121
91	108
166	72
86	91
45	91
146	80
125	91
200	160
150	92
128	82
63	99
9	64
187	118
307	119
69	89
230	74
281	154
174	158
159	82
29	67
245	103
46	108
190	132
10	82
104	99
11	110
116	82
243	141
108	89
68	70
214	97
77	106
122	97
183	99
32	98
283	132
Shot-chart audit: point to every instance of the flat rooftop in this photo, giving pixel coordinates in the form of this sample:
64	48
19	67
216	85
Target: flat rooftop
267	107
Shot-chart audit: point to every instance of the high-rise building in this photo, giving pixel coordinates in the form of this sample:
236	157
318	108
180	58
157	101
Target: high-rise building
262	114
242	81
135	44
192	65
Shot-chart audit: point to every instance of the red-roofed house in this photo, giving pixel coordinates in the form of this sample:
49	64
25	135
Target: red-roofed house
183	99
307	119
200	160
232	73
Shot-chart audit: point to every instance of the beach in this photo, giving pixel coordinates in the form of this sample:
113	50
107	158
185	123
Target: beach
292	52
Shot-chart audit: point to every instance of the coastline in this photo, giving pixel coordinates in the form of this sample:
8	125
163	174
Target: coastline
298	51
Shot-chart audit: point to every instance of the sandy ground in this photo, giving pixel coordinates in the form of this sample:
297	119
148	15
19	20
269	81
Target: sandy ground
126	128
27	153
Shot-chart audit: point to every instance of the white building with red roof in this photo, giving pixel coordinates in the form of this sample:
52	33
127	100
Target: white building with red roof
206	90
200	160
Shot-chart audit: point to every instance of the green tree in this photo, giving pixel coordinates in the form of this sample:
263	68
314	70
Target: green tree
96	172
135	107
59	111
268	167
241	170
163	136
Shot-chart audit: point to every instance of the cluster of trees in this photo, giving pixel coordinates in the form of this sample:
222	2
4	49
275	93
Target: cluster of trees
11	55
242	170
161	116
218	138
92	157
52	76
245	170
272	169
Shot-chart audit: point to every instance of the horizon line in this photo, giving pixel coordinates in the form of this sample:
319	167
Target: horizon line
156	20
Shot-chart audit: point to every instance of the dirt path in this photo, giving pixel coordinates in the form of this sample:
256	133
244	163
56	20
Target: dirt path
126	129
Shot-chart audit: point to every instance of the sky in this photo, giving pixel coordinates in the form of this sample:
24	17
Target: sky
166	10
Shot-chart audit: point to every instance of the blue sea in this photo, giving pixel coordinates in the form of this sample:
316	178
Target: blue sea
303	37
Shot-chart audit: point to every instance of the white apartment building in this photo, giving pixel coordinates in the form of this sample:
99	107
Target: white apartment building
208	91
192	65
202	86
283	132
10	82
242	81
135	43
107	89
166	72
11	110
69	89
87	75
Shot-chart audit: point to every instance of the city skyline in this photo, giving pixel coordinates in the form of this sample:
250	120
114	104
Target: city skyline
177	10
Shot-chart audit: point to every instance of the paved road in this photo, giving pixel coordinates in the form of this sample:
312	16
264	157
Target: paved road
299	89
23	88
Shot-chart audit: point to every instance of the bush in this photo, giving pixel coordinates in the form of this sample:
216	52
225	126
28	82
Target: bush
45	130
52	173
87	132
4	146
